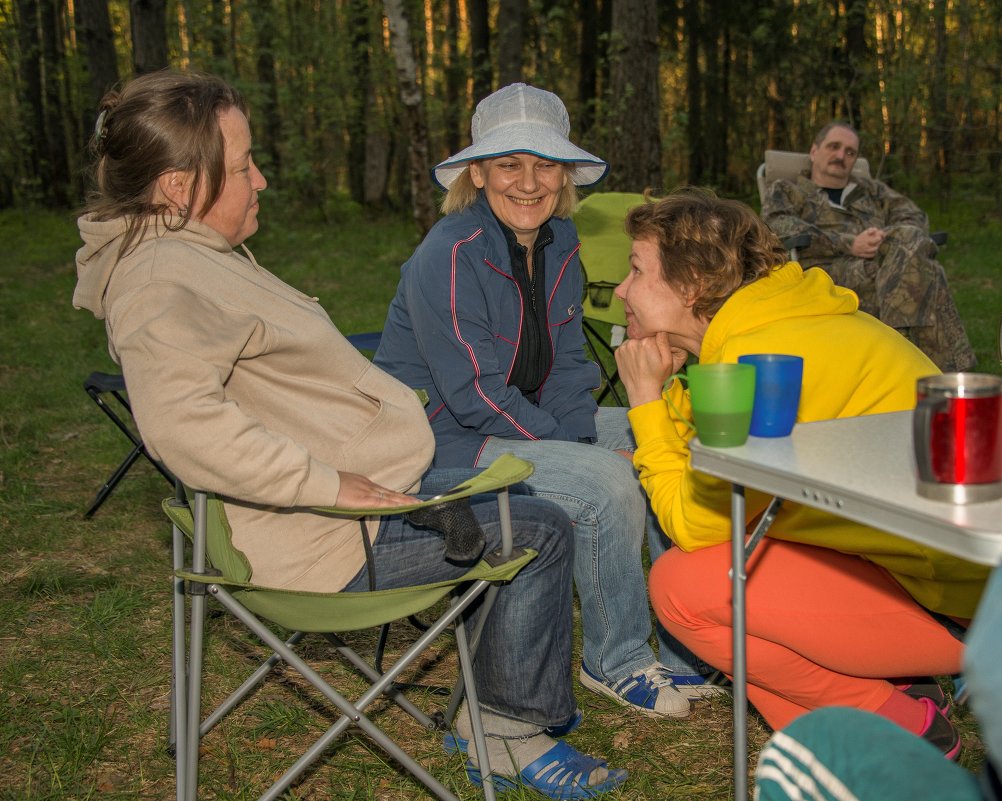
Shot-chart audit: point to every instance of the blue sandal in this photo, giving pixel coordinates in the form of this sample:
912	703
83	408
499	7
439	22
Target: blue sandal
453	743
561	773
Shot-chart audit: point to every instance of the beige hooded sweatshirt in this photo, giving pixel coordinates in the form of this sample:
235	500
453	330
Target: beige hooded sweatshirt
242	386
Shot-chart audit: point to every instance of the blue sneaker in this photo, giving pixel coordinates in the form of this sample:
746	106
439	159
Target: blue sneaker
701	687
650	692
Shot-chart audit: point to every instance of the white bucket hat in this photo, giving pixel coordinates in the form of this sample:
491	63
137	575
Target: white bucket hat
522	119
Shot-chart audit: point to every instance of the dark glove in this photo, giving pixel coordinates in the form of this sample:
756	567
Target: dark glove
464	539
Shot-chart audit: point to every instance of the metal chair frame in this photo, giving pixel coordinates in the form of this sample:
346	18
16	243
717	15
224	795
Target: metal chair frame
98	386
195	580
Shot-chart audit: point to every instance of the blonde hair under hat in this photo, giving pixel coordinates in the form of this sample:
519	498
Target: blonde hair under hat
523	119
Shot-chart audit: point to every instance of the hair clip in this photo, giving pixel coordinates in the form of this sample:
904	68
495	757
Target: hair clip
99	130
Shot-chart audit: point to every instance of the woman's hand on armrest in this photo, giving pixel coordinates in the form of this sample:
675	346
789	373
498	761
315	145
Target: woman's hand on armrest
358	492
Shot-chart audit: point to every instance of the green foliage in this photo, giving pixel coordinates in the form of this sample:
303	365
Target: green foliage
769	73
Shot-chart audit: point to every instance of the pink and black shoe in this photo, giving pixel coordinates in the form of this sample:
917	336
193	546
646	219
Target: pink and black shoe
938	730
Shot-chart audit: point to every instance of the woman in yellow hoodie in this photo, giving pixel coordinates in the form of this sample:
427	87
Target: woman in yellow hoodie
838	613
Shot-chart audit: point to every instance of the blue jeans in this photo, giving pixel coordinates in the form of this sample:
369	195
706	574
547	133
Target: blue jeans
599	490
522	665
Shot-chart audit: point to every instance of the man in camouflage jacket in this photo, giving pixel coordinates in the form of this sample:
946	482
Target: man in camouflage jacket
874	241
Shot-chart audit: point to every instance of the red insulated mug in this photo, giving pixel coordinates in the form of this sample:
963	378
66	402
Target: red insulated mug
957	433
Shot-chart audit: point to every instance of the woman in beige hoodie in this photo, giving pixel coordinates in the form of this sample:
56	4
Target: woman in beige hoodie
244	387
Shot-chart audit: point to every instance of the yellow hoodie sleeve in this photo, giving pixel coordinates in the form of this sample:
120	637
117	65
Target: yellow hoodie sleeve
692	508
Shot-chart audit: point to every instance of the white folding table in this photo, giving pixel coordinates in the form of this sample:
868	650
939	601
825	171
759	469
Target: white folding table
860	468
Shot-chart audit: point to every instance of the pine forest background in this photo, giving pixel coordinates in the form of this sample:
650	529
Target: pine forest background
357	98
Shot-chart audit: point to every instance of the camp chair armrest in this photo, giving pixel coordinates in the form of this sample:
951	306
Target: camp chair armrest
797	242
504	471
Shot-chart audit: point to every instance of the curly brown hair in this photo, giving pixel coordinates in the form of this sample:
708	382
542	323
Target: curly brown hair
709	247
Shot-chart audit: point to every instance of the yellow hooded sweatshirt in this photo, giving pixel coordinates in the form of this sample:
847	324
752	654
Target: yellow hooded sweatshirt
853	365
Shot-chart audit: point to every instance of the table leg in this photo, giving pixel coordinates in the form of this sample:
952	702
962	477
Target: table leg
738	645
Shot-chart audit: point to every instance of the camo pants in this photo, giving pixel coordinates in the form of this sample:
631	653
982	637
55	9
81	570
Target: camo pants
906	288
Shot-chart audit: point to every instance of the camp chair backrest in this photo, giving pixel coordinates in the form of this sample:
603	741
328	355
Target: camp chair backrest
605	250
785	164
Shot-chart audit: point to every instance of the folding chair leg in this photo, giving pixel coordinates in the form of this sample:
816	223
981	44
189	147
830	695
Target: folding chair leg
351	713
591	337
507	542
113	480
241	692
466	666
187	755
373	674
179	684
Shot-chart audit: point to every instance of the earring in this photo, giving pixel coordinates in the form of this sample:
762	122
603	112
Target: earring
174	220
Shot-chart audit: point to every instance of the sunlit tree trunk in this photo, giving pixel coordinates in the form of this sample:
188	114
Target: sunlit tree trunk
422	194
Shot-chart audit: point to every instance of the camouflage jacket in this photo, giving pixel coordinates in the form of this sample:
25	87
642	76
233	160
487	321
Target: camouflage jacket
800	206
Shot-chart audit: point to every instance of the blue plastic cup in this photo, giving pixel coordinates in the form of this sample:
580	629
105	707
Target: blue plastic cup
778	378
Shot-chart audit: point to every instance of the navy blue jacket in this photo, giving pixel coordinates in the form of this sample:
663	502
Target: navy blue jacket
453	328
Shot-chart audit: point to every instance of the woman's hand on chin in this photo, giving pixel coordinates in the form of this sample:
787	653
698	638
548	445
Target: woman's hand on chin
645	364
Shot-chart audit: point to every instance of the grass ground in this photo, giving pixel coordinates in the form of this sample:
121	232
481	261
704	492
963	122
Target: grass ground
84	604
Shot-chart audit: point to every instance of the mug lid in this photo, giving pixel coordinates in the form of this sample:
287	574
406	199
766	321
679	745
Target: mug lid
960	385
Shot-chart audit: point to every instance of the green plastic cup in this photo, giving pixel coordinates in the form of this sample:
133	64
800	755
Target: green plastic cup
723	396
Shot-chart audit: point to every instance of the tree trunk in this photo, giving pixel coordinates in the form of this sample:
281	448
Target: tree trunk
422	195
32	115
268	122
56	169
694	92
634	149
857	60
93	27
716	47
588	66
217	35
511	35
359	102
480	49
995	151
941	129
455	82
149	35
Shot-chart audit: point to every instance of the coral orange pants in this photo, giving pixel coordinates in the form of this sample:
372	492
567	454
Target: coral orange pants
824	628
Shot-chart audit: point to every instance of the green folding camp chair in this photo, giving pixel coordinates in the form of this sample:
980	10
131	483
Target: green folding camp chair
605	259
218	569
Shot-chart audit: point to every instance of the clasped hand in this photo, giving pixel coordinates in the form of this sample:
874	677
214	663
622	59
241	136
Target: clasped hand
646	363
866	244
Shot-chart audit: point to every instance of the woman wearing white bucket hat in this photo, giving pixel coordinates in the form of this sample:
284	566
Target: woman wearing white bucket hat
487	319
